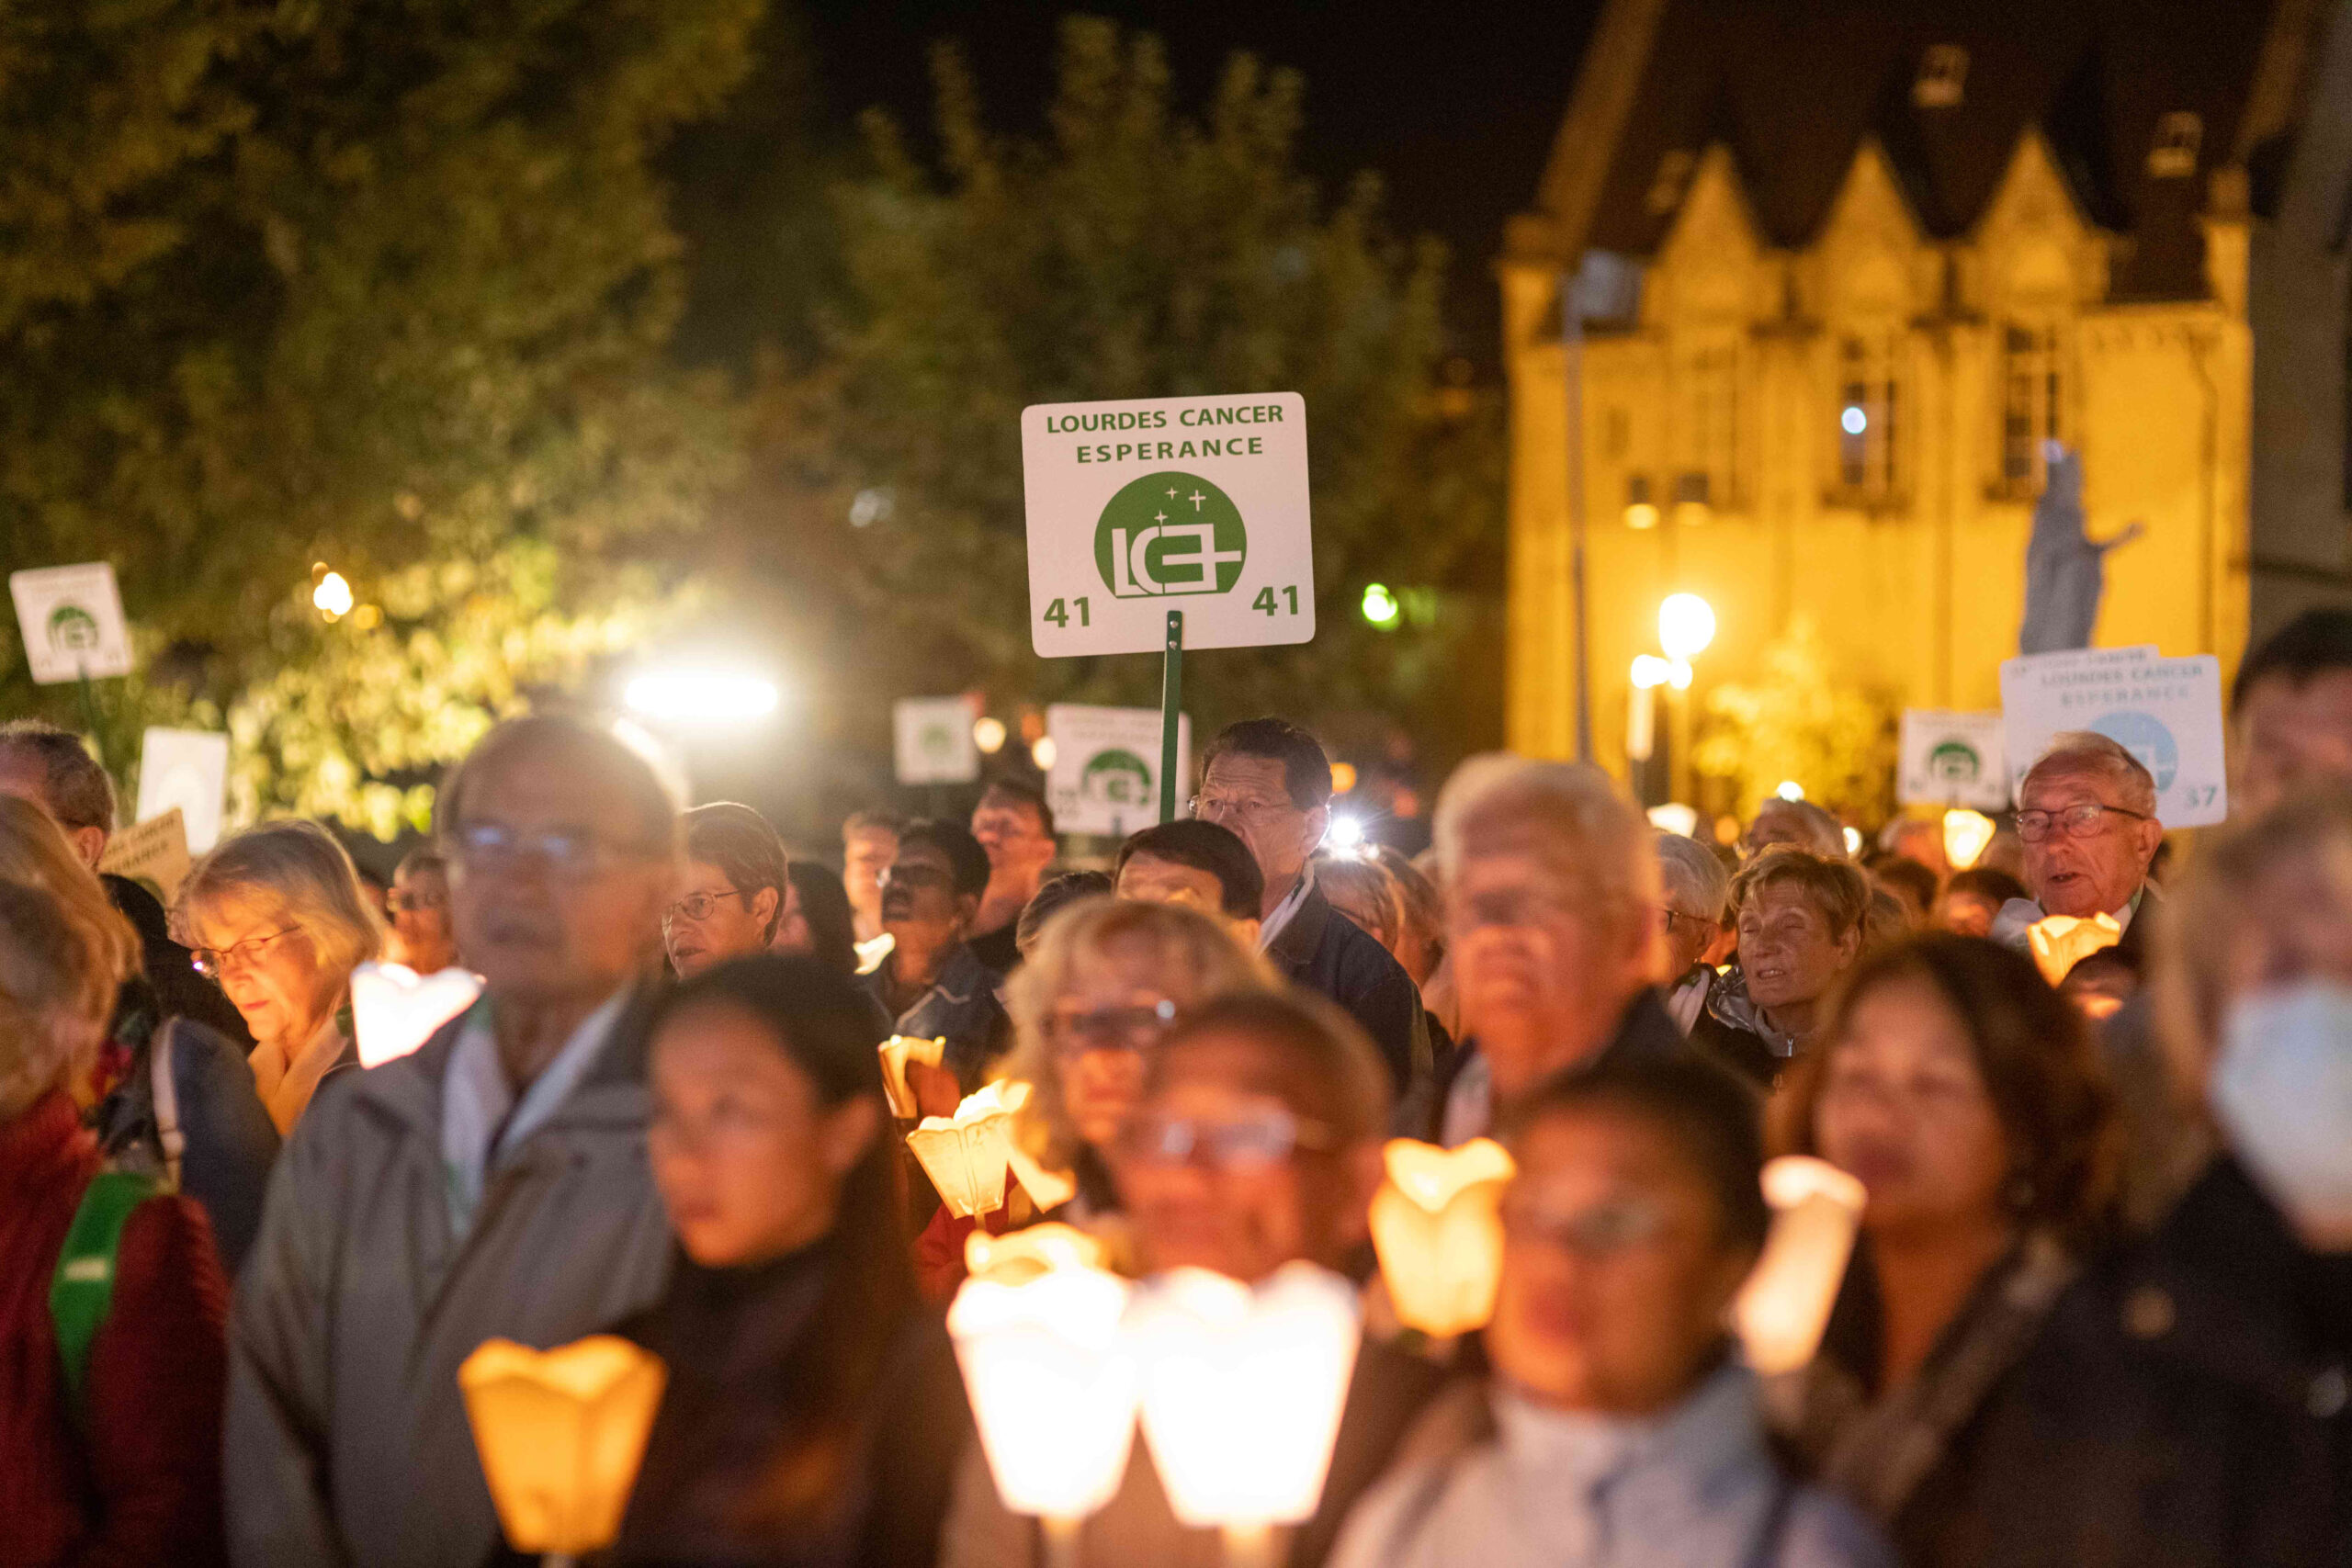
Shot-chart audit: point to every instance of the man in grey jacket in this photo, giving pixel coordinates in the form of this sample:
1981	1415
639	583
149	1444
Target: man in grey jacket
492	1184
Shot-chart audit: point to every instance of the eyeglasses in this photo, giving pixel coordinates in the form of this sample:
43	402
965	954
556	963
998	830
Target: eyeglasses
1697	922
2074	822
1242	809
573	854
1265	1139
413	903
1599	1231
215	962
1109	1029
696	907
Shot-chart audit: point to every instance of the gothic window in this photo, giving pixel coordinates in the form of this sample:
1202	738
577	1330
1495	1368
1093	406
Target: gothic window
1943	73
1869	415
2173	154
2032	401
1708	472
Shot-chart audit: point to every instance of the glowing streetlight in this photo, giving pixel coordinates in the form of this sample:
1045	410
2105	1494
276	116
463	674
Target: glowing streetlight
1790	789
1042	751
1379	605
1853	421
700	696
989	734
1650	671
1685	625
332	596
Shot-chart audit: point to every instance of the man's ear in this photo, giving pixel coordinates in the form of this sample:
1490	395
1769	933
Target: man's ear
967	908
2152	839
90	843
1247	929
764	904
1319	822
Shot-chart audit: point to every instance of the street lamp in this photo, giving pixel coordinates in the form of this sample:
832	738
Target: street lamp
1685	625
685	694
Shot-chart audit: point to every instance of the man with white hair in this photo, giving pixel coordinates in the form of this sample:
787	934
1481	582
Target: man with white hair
1798	822
2088	813
1553	899
1698	893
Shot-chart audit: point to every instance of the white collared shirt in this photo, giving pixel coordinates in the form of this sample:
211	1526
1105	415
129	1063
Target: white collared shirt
1271	926
476	1099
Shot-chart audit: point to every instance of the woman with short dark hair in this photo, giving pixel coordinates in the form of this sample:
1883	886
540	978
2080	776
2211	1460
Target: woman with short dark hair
1964	1095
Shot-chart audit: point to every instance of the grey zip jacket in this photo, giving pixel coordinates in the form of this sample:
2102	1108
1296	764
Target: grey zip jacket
347	1437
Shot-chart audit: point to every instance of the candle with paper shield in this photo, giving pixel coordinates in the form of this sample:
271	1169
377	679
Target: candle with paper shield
394	1009
1784	1305
2061	942
896	1053
966	1155
1439	1237
561	1433
1052	1385
1242	1391
1018	1257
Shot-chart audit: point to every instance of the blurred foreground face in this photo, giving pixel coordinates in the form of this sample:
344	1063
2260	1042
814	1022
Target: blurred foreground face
1616	1278
1786	949
2291	735
1531	965
1904	1109
554	891
712	919
1222	1169
1119	1000
750	1165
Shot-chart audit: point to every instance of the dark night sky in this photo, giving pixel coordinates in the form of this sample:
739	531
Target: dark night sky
1454	107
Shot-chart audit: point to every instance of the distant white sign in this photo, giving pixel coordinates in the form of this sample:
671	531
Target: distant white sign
186	770
72	619
2166	712
1147	505
1952	758
935	740
1105	777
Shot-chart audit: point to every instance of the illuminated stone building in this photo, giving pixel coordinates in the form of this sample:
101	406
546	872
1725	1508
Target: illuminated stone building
1843	265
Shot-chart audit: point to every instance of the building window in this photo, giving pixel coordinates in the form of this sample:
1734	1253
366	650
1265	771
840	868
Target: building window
1943	75
1707	474
2031	399
2173	154
1868	415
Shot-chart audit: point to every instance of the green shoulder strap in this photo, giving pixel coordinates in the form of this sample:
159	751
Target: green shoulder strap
82	1290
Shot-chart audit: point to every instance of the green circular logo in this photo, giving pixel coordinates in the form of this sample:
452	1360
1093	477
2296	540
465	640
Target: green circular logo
1955	762
73	630
1167	534
1116	777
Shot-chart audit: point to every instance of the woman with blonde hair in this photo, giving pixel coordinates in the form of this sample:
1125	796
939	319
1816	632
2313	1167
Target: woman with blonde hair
276	917
1107	981
35	851
110	1450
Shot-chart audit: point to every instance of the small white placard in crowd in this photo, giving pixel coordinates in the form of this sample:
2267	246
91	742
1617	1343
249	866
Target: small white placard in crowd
73	623
1105	777
1952	758
153	854
2166	712
186	771
934	742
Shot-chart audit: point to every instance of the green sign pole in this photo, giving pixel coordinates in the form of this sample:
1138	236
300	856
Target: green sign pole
1172	707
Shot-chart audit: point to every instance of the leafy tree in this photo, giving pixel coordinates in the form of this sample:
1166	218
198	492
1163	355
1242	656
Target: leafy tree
1798	720
383	285
1132	251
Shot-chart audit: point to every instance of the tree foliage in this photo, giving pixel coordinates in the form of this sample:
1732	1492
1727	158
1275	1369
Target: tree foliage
1798	721
385	285
1133	250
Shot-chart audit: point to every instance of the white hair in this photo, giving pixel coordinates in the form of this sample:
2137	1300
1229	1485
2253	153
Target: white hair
1693	876
1604	836
2081	751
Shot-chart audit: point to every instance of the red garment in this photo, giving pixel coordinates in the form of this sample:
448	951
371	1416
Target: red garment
144	1487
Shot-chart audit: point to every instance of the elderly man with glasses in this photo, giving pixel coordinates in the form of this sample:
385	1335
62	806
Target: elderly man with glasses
1269	783
2088	813
492	1184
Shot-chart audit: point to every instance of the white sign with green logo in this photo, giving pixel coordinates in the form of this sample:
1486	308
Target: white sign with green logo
935	740
72	618
1105	777
1147	505
1952	758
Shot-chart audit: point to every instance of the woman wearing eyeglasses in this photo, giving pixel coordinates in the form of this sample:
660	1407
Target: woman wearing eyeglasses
734	891
276	917
1107	982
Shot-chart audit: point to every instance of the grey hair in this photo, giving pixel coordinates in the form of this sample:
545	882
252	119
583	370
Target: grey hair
2103	756
1694	876
1498	798
300	869
1826	834
75	786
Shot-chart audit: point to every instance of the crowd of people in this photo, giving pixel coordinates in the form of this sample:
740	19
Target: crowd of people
2099	1311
